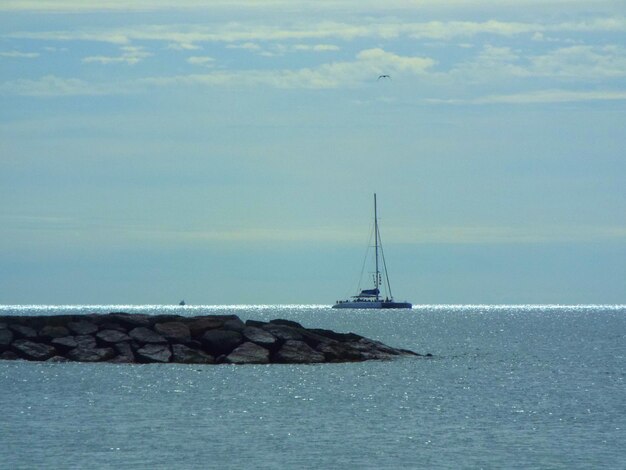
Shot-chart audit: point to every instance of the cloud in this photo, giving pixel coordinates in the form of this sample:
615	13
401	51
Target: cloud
250	46
251	32
183	46
51	85
494	64
367	65
19	55
131	55
541	96
328	6
316	47
578	62
200	60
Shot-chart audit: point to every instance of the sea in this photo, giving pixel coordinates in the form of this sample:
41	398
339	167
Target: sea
521	386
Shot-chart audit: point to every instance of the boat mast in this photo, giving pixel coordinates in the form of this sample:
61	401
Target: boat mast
377	275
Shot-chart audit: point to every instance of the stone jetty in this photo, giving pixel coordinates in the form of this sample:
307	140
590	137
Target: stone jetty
210	339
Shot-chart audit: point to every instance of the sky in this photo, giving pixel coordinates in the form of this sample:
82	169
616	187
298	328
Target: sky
227	152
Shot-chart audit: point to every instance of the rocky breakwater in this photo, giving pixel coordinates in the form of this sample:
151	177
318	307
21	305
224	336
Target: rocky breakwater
212	339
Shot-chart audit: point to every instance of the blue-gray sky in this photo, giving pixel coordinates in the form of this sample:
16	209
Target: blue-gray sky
228	153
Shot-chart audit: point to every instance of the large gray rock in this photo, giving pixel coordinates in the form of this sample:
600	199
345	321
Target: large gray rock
298	352
283	332
154	353
85	341
9	356
343	337
201	325
174	331
234	324
66	343
58	359
186	355
82	327
23	331
82	354
110	337
260	337
50	332
33	351
146	335
334	351
129	320
218	342
124	353
248	353
291	323
6	337
112	325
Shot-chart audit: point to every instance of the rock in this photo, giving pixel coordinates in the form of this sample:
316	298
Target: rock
174	331
82	327
111	325
260	337
110	337
33	351
130	320
199	326
291	323
58	359
248	353
283	332
334	351
165	318
343	337
154	353
365	344
9	356
234	324
22	331
298	352
82	354
218	342
256	323
146	335
313	339
186	355
6	337
373	349
85	341
66	343
50	332
125	353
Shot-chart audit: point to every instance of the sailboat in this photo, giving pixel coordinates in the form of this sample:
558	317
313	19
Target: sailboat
372	298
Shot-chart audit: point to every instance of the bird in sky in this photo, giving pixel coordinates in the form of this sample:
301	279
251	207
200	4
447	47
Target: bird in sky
384	76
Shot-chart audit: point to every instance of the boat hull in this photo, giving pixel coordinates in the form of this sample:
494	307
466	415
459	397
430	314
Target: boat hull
366	304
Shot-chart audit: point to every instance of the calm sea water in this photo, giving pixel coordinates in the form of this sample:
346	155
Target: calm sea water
509	387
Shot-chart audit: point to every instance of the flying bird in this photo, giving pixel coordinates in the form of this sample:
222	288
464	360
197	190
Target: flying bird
383	76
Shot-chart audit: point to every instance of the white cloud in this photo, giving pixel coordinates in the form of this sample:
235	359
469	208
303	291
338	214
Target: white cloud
248	34
577	62
131	55
183	46
316	47
541	96
19	55
51	85
200	60
328	6
367	65
250	46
